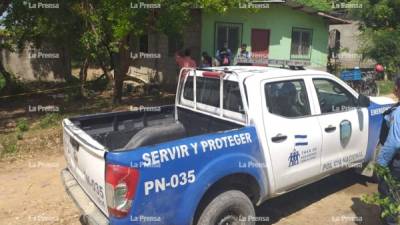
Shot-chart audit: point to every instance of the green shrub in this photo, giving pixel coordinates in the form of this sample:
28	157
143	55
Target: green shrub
20	135
385	86
390	206
50	120
22	125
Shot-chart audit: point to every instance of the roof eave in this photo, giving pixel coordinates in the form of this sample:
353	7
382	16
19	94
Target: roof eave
332	20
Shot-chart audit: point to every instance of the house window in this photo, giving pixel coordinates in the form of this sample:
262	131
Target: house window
301	43
175	43
230	33
144	43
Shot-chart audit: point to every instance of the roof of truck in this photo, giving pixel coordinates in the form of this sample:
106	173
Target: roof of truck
260	72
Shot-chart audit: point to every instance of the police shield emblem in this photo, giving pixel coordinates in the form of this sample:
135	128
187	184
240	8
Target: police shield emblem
345	132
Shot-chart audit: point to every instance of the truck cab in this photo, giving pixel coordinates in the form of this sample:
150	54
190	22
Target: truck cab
236	136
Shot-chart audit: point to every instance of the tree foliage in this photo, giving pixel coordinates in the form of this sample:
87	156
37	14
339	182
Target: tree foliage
322	5
380	27
100	31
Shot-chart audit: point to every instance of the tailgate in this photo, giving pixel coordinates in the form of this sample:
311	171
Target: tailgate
85	160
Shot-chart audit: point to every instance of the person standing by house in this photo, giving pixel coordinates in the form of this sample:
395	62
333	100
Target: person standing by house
224	55
244	56
389	156
206	60
184	59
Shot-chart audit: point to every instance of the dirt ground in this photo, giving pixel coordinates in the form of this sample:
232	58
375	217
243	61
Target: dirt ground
31	192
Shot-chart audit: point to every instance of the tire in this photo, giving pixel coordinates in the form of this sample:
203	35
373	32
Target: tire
230	207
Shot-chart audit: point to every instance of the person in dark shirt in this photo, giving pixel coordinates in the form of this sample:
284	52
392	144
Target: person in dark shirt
206	60
224	55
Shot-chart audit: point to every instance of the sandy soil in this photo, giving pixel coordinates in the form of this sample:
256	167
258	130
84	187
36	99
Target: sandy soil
31	192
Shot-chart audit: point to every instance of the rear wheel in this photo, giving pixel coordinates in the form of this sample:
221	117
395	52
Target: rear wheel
229	208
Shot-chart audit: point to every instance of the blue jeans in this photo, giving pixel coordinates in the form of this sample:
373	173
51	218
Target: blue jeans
383	189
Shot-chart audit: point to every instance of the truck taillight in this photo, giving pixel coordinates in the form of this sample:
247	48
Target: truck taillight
121	183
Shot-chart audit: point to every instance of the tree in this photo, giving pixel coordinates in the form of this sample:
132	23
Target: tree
28	23
113	24
380	32
100	31
323	5
4	45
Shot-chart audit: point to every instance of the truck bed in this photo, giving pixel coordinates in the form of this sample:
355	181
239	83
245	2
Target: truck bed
119	131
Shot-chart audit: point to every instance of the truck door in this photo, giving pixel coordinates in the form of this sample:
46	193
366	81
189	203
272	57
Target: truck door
344	126
293	133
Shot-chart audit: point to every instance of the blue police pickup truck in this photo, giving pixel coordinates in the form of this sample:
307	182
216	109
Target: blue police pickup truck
235	137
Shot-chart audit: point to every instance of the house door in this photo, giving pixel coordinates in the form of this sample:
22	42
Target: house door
259	43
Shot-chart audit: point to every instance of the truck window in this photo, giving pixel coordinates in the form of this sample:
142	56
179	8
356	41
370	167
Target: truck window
287	98
208	93
332	97
232	97
207	90
188	89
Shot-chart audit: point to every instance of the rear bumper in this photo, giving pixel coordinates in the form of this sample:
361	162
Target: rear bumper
91	215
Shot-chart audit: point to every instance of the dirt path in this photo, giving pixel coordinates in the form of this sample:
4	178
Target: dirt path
31	192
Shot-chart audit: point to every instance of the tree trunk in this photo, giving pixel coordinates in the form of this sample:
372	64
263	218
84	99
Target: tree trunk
83	75
7	77
121	63
67	63
106	71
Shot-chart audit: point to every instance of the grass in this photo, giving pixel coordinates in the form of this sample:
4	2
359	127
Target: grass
8	144
50	120
385	87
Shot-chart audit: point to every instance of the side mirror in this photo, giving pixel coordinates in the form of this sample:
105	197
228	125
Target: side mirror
363	101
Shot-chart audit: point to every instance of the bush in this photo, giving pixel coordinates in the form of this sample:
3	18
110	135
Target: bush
22	125
389	206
